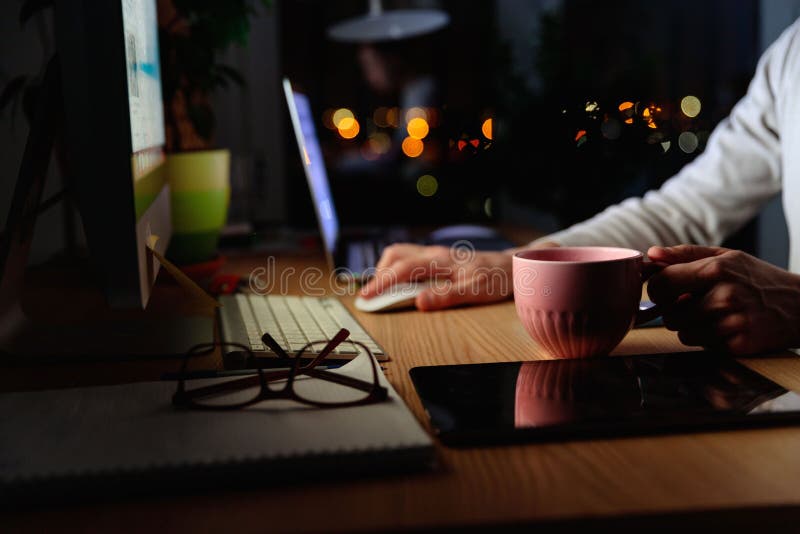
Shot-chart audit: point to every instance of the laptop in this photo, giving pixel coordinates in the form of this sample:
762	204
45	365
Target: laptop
357	255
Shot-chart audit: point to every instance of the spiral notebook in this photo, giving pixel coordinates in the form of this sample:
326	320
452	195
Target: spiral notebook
129	438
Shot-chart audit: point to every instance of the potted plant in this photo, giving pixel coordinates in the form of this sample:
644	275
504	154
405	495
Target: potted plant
192	35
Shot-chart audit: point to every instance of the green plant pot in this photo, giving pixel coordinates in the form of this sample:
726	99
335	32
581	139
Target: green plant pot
200	187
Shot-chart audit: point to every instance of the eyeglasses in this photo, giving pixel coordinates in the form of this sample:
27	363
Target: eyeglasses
307	383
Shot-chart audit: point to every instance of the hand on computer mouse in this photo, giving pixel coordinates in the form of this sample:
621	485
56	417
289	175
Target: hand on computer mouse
457	275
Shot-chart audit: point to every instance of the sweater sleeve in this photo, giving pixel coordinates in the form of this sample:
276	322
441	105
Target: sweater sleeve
719	191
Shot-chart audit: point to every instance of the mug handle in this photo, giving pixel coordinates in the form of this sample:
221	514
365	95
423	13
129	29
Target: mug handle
645	315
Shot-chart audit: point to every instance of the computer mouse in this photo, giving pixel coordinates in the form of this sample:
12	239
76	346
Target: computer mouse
397	297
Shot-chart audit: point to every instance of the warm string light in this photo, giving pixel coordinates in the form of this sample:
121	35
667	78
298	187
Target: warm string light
486	128
348	128
418	128
690	106
650	115
412	147
419	121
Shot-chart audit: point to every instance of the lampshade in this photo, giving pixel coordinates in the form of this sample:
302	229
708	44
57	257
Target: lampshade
393	25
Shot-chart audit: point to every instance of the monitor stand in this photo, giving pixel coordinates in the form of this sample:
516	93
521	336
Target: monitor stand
69	318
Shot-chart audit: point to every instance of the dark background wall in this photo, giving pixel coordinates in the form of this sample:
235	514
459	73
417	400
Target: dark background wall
685	47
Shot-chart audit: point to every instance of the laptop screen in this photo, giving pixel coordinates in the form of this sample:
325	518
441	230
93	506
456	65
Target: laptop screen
314	165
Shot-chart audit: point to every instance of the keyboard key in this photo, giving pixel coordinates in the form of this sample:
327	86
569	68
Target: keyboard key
294	321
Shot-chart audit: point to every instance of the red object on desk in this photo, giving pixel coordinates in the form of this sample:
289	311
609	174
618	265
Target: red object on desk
202	272
224	284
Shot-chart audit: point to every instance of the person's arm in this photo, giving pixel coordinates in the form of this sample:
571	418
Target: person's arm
719	191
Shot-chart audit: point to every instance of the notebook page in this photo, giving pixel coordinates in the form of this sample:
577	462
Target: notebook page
132	427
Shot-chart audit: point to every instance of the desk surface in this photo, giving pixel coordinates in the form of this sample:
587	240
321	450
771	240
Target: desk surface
671	477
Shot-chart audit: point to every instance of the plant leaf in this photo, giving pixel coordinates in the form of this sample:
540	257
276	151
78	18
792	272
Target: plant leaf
203	120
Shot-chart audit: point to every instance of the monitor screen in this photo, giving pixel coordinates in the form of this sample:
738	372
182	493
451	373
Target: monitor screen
140	27
114	119
314	164
144	79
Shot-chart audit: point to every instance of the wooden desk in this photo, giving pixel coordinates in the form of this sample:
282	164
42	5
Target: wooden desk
659	482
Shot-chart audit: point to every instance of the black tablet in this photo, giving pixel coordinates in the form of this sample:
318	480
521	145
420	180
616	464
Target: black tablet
495	403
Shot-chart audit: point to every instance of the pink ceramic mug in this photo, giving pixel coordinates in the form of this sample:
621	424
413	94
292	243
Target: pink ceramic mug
578	302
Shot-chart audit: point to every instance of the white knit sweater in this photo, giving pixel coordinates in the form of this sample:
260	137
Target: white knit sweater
751	156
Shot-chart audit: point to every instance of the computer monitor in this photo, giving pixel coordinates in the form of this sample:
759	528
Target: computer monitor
314	167
102	93
114	129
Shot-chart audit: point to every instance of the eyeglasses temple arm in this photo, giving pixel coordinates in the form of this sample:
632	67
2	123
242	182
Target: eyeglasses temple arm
277	349
340	336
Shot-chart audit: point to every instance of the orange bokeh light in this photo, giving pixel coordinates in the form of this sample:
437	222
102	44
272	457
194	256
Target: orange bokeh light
392	117
412	147
341	114
625	106
349	127
486	128
327	119
379	117
379	143
418	128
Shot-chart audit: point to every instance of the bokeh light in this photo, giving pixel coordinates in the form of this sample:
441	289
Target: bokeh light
591	106
341	114
690	105
379	117
348	127
393	117
416	113
688	142
628	110
433	117
665	146
648	114
412	147
327	119
367	153
465	141
417	128
486	128
379	143
427	185
487	207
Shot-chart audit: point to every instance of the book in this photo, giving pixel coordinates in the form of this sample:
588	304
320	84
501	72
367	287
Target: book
129	438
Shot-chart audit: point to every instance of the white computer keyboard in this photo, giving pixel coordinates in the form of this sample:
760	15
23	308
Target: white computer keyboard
293	321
